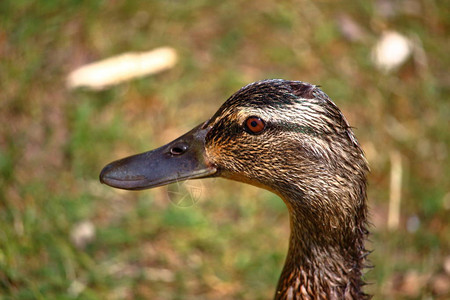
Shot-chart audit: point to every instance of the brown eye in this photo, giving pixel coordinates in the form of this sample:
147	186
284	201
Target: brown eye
254	125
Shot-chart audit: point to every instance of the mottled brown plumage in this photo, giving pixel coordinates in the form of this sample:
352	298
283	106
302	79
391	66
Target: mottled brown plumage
307	154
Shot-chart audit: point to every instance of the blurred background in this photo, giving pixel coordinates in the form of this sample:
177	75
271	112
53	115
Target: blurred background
63	235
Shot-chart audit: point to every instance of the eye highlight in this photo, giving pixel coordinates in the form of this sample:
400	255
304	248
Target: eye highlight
254	125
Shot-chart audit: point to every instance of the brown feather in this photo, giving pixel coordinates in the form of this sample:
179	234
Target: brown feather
309	156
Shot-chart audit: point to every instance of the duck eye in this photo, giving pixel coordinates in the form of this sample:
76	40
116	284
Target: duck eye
254	125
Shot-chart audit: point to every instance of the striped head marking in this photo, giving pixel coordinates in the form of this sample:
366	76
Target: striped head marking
275	128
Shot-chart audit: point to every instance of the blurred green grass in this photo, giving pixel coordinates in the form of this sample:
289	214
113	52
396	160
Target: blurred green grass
230	243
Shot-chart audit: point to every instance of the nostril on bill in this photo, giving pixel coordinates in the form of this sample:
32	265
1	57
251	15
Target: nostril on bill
178	149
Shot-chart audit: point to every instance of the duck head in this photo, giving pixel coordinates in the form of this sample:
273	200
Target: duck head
285	136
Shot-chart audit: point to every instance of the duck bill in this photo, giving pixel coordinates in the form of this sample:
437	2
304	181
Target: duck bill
181	159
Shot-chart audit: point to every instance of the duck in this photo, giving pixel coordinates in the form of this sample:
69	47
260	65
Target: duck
290	138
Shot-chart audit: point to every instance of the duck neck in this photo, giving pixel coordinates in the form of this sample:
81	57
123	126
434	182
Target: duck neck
326	252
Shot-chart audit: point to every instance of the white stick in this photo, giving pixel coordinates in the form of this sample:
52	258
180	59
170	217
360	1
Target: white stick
117	69
395	190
